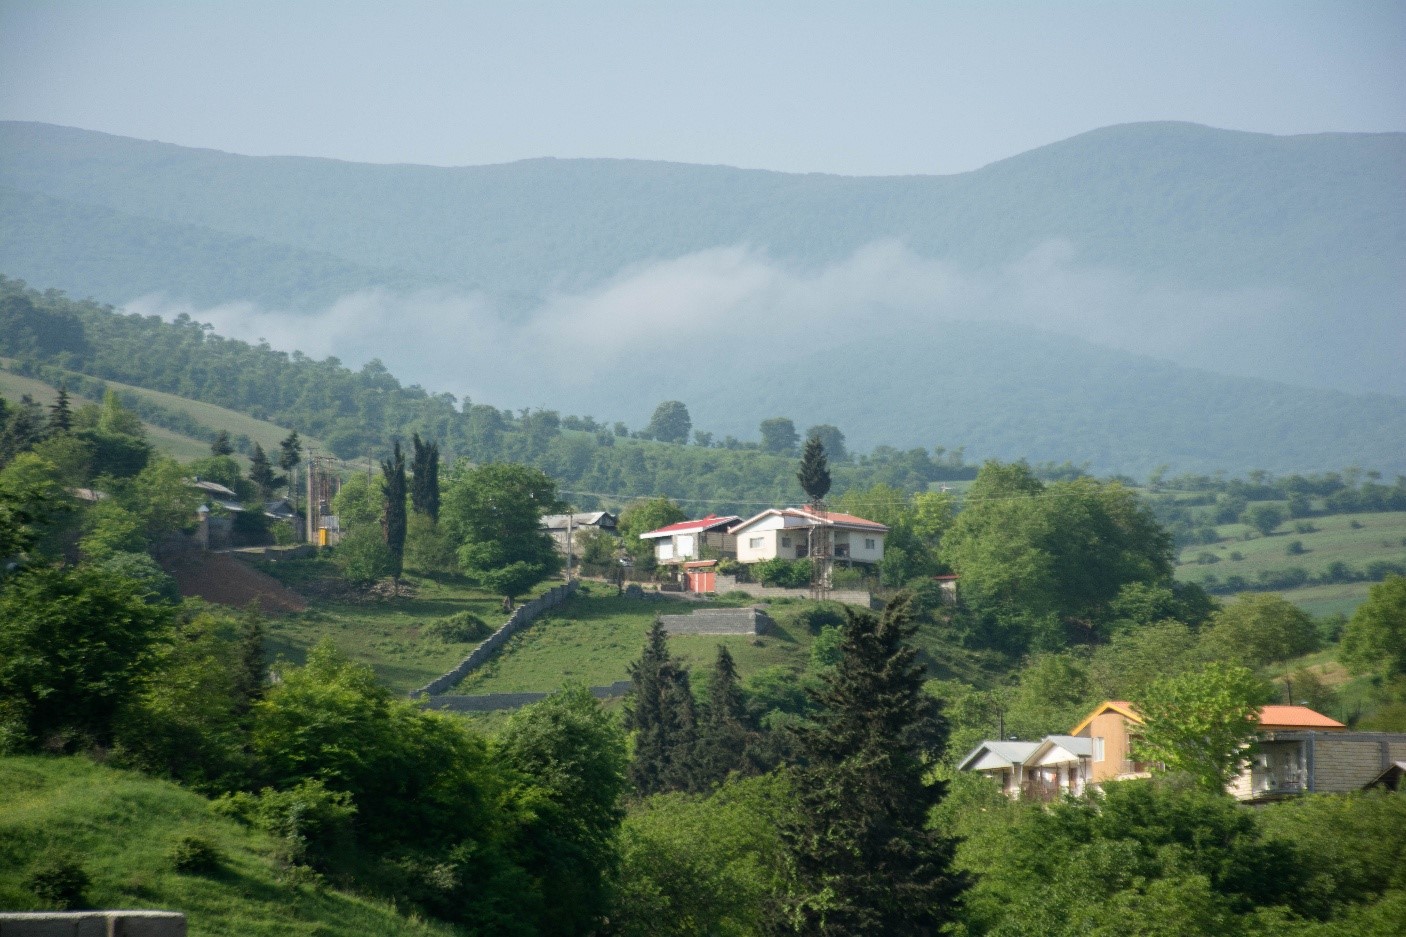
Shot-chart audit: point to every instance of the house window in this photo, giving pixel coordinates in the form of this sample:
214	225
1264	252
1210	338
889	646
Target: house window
1098	748
785	541
755	543
868	543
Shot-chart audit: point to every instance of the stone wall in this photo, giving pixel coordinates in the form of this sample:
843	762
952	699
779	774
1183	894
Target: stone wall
859	597
93	924
487	702
521	617
1347	761
718	621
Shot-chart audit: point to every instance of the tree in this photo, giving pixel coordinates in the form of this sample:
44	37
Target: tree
290	452
221	444
642	516
779	436
74	646
814	474
261	472
660	712
866	861
566	758
1201	723
60	414
424	484
1259	628
493	513
393	509
1375	639
725	731
1263	517
832	439
670	422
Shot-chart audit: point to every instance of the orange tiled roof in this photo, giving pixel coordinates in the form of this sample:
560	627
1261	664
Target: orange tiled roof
1295	717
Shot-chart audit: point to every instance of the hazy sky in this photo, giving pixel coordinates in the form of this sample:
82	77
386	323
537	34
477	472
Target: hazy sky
861	87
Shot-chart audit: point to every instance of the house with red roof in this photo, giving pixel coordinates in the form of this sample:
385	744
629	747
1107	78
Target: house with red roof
675	544
790	533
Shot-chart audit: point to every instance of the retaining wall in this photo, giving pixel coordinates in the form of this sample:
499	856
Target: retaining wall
93	924
861	597
718	621
487	702
521	617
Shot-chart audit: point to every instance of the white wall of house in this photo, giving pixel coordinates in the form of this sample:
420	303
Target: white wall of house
864	546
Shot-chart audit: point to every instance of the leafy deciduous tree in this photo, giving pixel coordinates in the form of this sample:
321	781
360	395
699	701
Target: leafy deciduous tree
779	436
494	513
670	422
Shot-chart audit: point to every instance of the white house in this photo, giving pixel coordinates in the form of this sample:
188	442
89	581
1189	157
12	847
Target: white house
558	525
1003	761
790	533
676	543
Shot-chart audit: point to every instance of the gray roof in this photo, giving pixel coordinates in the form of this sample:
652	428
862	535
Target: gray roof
582	519
1012	752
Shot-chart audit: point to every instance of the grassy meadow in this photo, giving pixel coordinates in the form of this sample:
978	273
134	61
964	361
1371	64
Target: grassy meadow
121	827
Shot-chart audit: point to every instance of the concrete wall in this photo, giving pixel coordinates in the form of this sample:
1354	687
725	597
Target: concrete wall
858	597
718	621
521	617
487	702
93	924
1346	761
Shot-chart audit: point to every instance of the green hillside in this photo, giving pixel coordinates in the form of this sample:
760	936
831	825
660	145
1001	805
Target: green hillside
122	827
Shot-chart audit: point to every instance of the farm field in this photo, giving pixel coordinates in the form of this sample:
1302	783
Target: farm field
1332	599
123	826
381	632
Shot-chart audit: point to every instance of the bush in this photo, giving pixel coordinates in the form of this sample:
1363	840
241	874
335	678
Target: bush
460	628
786	574
1294	548
312	821
59	881
1304	527
818	617
195	855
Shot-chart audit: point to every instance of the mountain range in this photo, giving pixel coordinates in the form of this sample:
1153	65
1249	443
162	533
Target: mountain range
1137	295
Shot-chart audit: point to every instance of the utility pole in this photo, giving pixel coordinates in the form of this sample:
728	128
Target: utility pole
570	518
312	505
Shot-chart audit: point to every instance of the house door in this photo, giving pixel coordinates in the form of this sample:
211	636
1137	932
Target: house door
702	581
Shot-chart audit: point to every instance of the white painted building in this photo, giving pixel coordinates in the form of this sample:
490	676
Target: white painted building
788	533
676	543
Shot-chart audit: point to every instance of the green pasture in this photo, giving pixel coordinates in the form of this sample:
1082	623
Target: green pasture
122	826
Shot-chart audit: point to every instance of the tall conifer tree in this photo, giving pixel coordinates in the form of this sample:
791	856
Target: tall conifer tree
261	472
393	513
661	713
60	414
865	860
222	445
814	475
725	732
424	483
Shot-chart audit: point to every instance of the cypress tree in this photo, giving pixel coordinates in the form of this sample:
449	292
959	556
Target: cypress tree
814	475
661	713
393	513
424	483
250	679
222	445
60	414
865	860
261	472
725	733
290	452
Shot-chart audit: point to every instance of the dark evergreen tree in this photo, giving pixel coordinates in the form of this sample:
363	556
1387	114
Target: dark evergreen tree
814	475
726	733
222	445
290	452
261	472
866	861
393	513
424	481
60	414
22	430
661	713
253	665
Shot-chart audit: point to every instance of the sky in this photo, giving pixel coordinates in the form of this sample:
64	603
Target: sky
873	88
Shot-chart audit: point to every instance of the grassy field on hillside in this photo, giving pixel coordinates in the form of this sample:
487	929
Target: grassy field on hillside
1354	539
122	826
181	448
384	633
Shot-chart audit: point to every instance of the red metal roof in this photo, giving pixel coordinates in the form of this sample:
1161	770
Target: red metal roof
1295	717
683	527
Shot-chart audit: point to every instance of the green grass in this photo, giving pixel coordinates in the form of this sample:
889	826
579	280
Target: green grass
384	633
121	827
1378	536
179	447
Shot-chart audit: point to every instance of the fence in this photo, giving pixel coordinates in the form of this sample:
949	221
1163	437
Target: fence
848	596
521	617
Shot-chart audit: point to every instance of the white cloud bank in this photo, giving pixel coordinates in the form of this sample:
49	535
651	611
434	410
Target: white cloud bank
574	350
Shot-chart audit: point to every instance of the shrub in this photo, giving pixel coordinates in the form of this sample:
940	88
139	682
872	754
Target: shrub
1294	548
1206	558
59	881
312	821
1236	555
459	628
1355	524
787	574
195	855
818	617
1304	527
